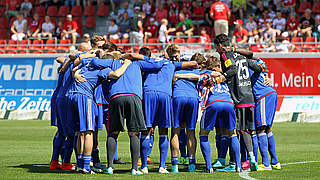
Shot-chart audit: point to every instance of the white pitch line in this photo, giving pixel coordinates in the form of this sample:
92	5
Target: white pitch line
245	174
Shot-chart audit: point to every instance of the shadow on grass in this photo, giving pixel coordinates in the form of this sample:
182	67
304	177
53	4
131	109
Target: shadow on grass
42	168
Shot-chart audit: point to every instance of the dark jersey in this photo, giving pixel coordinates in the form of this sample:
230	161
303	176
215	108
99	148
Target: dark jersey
235	68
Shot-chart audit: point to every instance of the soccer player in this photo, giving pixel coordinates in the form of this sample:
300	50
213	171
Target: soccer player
185	102
58	140
157	104
86	109
125	96
235	72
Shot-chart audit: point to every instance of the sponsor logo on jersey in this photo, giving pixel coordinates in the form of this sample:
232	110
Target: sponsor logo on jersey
227	63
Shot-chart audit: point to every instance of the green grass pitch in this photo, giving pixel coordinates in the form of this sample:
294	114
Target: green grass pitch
26	147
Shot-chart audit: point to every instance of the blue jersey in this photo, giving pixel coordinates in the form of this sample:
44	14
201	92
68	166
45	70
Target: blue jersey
258	87
56	91
93	76
66	81
131	80
161	80
184	87
99	95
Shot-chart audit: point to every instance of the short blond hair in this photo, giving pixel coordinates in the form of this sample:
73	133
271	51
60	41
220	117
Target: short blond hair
172	49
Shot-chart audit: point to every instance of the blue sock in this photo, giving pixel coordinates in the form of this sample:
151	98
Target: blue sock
116	157
183	143
272	148
255	146
68	148
163	147
80	161
144	149
86	162
218	144
151	143
206	150
192	160
263	145
235	145
243	151
57	143
174	161
225	141
95	155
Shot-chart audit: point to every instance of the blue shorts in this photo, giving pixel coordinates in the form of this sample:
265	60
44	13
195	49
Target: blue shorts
63	110
99	117
223	112
265	110
53	113
86	111
185	111
157	109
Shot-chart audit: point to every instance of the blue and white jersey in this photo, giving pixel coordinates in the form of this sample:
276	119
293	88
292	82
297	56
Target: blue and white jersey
161	80
209	93
184	87
259	89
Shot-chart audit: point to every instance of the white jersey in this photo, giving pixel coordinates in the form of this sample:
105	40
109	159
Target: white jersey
47	27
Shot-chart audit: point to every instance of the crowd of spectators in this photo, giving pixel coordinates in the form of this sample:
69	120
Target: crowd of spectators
249	23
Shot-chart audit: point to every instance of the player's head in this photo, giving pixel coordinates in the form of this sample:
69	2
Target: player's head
199	58
109	47
100	53
221	41
84	47
213	63
145	51
173	52
97	42
121	50
108	56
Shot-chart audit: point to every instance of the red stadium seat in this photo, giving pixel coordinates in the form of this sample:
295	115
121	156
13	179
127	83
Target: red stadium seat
76	11
12	45
316	7
37	52
297	40
2	11
90	22
12	52
124	42
62	45
178	41
103	10
4	23
309	40
192	40
23	45
52	11
38	44
313	50
23	52
153	41
3	44
41	10
90	11
63	11
4	34
303	6
50	44
52	52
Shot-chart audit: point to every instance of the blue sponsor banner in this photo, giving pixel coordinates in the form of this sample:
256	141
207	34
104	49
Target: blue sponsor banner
27	83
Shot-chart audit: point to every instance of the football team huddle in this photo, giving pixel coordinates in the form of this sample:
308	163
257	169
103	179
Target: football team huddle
102	85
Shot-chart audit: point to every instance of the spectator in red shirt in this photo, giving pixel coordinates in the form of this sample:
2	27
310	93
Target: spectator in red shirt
69	30
220	13
205	39
186	13
172	18
292	25
187	4
198	13
161	13
34	26
151	30
240	35
12	7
